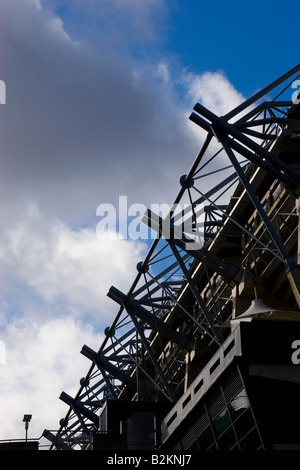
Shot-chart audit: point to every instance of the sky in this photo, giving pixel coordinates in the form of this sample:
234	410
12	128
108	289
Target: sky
97	99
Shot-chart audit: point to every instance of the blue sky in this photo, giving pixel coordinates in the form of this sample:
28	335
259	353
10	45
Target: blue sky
98	94
252	43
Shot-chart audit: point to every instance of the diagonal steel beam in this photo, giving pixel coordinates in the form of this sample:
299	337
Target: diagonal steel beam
263	92
101	361
79	408
262	213
206	313
220	123
151	354
56	440
226	270
155	322
292	268
251	156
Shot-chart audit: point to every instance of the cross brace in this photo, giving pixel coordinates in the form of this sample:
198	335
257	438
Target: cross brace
155	322
79	408
102	362
248	148
226	270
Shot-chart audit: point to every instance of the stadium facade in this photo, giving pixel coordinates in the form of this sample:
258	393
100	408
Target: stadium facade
204	349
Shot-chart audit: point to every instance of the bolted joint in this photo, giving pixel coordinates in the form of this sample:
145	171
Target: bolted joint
186	182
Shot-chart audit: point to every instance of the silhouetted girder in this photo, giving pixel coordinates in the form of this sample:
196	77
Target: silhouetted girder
154	302
79	408
245	146
226	270
157	306
250	120
209	260
154	280
216	335
257	204
103	363
292	268
155	322
263	92
211	214
166	286
169	390
213	223
57	441
242	149
205	197
260	122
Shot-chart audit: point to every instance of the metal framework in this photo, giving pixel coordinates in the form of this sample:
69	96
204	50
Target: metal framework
231	230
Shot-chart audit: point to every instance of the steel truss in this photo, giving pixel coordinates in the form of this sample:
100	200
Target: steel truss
220	231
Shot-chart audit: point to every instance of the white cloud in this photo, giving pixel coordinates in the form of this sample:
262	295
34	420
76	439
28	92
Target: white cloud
59	279
80	127
83	124
59	264
42	360
214	91
163	72
56	26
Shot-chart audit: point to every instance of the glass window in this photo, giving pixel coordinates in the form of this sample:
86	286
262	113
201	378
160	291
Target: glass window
251	441
228	440
193	446
244	424
222	422
206	438
238	405
213	447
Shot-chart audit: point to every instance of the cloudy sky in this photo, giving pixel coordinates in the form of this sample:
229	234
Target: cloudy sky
98	94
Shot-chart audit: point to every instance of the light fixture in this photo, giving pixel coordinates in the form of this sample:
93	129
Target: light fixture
26	420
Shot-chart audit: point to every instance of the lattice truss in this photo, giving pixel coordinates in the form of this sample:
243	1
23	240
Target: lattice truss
219	230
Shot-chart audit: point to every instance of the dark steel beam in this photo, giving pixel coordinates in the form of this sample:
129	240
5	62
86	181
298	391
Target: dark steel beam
221	124
102	362
155	322
265	106
273	234
215	332
56	440
162	274
79	408
243	149
151	354
253	157
226	270
262	92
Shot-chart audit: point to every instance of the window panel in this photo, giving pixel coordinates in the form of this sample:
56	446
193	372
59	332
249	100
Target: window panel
244	424
206	438
251	441
222	422
239	404
228	440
